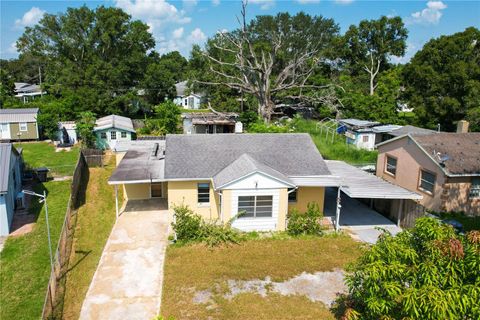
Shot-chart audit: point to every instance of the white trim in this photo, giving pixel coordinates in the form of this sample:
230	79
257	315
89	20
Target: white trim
252	173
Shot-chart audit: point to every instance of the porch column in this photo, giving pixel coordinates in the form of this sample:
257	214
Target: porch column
339	206
400	209
116	200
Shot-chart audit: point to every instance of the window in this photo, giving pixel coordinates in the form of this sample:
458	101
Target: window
103	135
292	195
203	192
391	165
23	126
124	134
186	102
255	206
365	138
113	135
475	188
427	181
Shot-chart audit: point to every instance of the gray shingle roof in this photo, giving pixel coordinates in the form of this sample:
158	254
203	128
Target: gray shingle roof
203	156
6	150
18	115
244	166
408	129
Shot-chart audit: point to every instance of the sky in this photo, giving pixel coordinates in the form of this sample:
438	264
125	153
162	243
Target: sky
177	25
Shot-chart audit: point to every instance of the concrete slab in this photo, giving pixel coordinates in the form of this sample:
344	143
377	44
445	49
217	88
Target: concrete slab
128	281
357	218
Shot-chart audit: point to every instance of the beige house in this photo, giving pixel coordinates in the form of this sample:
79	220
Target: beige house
443	167
218	176
19	124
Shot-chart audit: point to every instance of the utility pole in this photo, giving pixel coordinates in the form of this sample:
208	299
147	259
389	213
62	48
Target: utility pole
40	77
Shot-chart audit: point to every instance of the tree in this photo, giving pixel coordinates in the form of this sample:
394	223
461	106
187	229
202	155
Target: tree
369	46
166	119
428	272
270	56
442	81
85	125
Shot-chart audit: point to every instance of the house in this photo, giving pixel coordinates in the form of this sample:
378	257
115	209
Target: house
111	129
220	175
408	129
403	107
19	124
122	147
443	167
10	184
211	122
27	91
185	99
359	132
67	132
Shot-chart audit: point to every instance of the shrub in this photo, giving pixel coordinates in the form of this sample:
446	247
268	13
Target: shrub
305	223
190	227
428	272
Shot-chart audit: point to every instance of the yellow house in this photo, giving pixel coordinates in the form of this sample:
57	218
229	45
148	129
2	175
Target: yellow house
217	176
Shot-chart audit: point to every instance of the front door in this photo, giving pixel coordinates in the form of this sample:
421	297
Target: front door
156	190
4	131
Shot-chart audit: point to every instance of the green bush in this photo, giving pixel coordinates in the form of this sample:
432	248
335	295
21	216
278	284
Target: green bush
305	223
190	227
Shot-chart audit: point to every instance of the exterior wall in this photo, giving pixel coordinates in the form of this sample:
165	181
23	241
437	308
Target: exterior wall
7	201
181	102
356	138
72	135
305	195
109	143
119	156
455	197
410	159
137	191
30	134
4	216
185	192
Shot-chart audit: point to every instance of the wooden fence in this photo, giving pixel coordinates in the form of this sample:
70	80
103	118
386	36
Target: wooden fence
53	306
94	157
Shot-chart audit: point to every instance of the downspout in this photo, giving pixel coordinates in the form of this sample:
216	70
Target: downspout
220	195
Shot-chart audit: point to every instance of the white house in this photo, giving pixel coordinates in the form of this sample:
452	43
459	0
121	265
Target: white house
186	100
67	132
27	91
365	134
111	129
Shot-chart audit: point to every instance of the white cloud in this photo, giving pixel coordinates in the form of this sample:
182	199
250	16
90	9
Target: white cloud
344	2
196	36
264	4
308	1
12	48
430	15
177	33
215	2
30	17
155	13
409	53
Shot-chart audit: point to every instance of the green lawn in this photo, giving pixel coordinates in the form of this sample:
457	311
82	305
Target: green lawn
24	261
95	221
189	269
469	223
42	154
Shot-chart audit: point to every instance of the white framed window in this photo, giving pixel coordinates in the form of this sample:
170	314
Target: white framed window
113	135
391	165
123	134
475	188
23	126
203	191
255	206
427	181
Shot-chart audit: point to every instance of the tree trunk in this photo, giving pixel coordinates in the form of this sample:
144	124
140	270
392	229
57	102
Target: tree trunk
372	84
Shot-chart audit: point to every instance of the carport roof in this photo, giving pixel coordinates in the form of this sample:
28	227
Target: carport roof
357	183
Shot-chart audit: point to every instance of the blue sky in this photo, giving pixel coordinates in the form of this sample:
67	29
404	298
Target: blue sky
176	25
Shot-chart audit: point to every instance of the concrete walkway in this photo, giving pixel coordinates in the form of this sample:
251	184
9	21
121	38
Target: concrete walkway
128	280
357	218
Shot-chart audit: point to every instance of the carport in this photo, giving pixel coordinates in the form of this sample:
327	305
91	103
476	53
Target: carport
358	184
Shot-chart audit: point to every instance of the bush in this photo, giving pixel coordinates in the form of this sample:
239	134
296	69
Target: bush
428	272
305	223
190	227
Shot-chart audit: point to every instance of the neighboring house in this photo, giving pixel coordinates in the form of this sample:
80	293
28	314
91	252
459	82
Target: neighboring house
192	100
67	132
443	167
111	129
403	107
19	124
27	91
122	147
10	184
211	122
219	176
408	129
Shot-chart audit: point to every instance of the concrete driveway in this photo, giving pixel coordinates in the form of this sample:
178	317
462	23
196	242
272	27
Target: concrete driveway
128	281
357	218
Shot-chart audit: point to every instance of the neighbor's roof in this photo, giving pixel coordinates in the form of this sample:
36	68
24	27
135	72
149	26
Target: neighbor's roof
125	145
181	89
410	129
22	87
114	121
457	153
357	183
359	123
5	154
244	166
18	115
203	156
69	125
141	163
386	128
211	117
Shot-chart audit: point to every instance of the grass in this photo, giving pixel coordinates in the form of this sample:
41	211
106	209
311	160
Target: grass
24	261
95	221
336	149
42	154
469	223
197	267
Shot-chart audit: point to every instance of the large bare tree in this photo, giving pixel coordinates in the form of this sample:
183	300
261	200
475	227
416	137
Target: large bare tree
271	57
